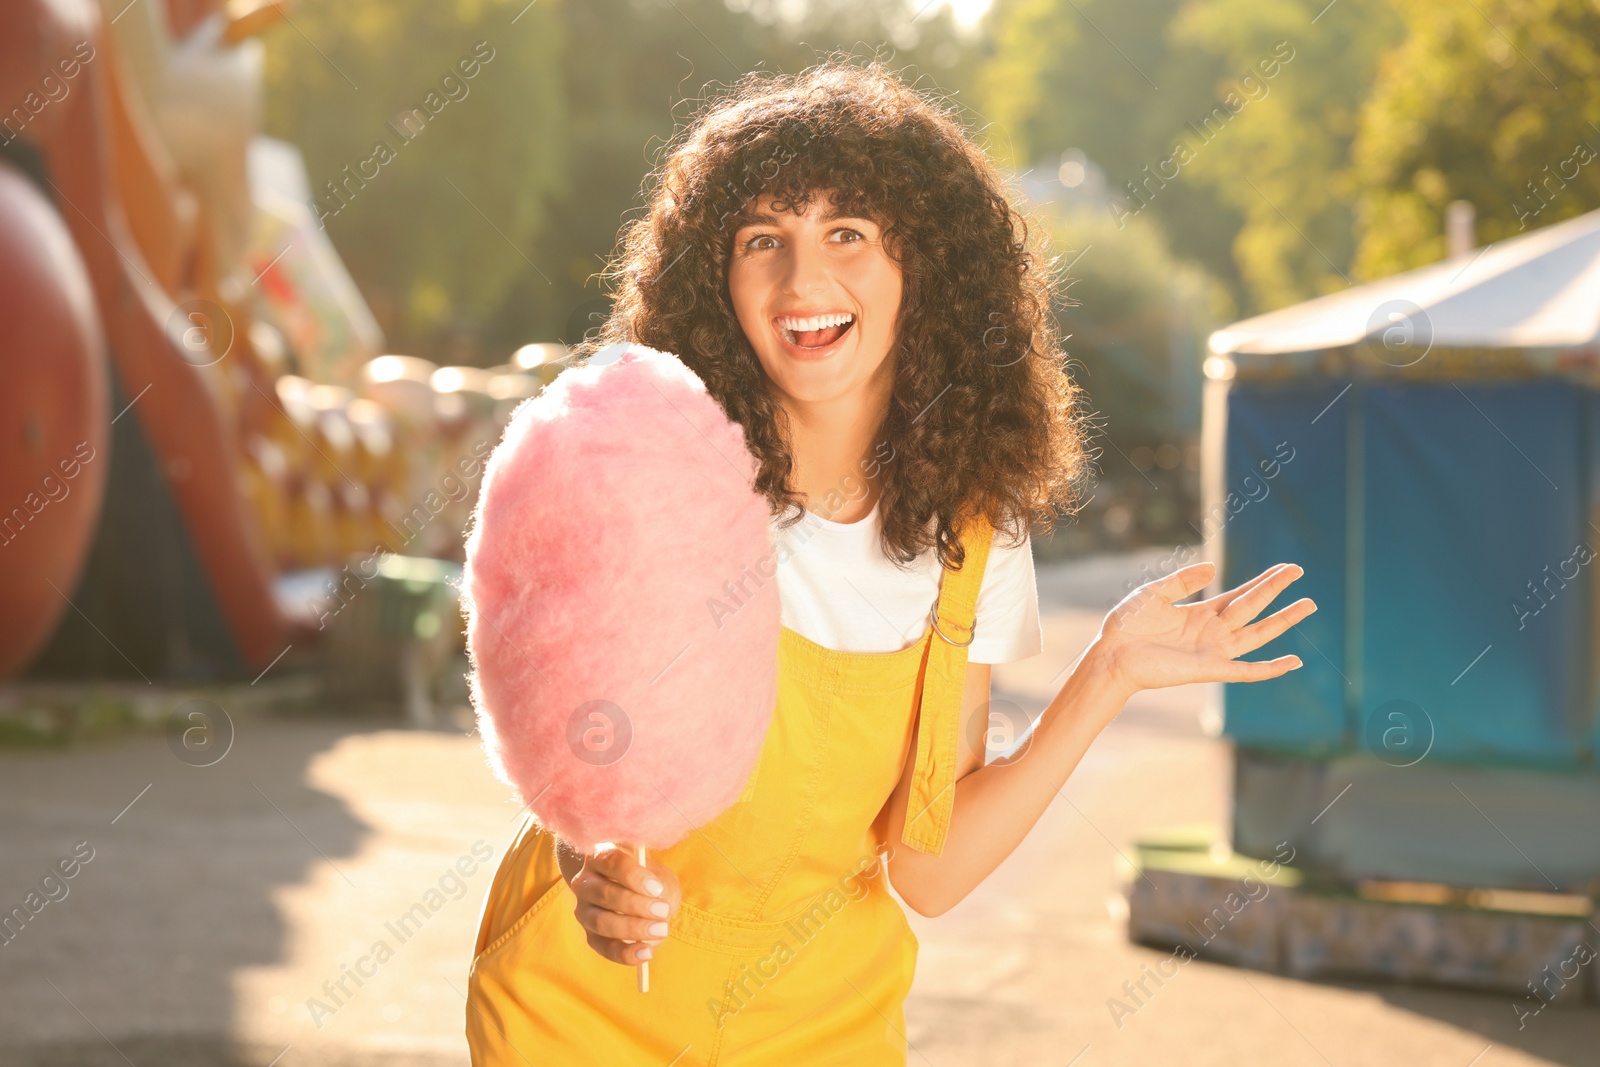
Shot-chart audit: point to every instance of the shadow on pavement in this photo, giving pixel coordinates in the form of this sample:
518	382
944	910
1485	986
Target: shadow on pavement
137	961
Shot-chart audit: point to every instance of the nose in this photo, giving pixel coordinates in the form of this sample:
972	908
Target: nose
806	269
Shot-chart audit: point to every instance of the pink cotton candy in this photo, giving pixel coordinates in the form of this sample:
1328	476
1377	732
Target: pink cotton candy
619	554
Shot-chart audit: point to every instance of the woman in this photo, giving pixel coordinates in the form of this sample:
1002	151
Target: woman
840	265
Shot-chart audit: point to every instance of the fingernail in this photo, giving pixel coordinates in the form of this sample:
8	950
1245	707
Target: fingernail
658	929
1297	663
659	909
653	887
645	953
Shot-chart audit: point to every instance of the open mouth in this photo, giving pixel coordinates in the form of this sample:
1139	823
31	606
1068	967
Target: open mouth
815	331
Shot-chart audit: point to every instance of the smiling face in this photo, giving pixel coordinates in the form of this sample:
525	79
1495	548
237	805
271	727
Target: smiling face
818	296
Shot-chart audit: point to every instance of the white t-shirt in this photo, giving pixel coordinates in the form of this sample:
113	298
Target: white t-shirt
839	589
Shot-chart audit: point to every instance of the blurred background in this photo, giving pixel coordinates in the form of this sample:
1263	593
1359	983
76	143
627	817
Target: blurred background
274	275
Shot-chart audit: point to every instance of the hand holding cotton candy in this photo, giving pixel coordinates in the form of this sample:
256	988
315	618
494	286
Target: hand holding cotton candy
619	691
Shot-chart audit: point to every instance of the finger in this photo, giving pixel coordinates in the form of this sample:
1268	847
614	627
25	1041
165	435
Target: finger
1257	670
627	953
1183	581
1223	599
1251	604
1257	634
606	923
619	865
671	892
614	896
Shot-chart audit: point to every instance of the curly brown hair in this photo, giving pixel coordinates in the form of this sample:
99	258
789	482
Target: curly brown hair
983	412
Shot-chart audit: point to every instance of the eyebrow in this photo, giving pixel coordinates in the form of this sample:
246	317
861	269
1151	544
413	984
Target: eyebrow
761	218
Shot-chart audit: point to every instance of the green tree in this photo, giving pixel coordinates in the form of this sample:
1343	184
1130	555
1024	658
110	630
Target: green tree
1283	162
432	182
1103	77
1264	193
495	221
1137	318
1495	102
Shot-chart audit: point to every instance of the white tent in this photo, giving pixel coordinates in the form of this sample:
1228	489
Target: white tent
1536	290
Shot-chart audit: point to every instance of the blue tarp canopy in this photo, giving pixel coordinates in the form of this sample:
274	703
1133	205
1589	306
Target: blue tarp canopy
1537	290
1447	521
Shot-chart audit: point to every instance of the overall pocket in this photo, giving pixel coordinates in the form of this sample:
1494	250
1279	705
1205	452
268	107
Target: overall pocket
521	863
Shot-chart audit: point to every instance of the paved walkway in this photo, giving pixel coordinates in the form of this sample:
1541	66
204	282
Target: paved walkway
219	902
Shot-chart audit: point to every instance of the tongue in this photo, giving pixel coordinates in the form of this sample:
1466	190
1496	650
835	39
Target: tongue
820	338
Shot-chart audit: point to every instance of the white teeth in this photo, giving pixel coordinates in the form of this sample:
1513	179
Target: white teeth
815	322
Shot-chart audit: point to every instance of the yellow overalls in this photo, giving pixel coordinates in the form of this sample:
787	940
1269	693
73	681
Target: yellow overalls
787	948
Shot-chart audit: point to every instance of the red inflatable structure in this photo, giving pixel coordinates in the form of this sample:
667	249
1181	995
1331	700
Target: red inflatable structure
199	423
107	546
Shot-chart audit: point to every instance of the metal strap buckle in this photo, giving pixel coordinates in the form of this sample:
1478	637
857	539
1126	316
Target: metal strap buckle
933	617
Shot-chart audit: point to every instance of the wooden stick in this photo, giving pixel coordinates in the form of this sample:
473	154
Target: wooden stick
644	968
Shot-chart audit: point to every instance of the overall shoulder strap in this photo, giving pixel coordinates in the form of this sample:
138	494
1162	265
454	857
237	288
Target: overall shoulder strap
957	608
952	628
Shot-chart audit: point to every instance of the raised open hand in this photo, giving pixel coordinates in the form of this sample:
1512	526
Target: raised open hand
1151	642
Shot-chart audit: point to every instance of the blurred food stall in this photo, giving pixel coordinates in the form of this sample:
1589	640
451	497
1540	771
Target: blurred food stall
1427	447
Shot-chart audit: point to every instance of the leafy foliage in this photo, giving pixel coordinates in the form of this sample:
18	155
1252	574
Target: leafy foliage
1283	164
1336	167
1101	76
548	151
444	193
1496	102
1262	197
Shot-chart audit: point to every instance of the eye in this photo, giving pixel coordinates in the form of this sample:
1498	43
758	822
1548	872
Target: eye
848	236
754	245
